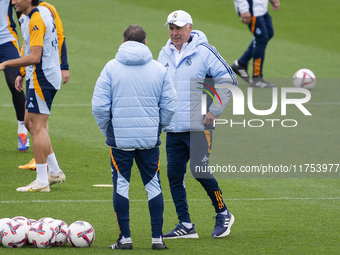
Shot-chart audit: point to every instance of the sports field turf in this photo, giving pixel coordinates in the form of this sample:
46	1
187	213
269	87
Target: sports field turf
284	214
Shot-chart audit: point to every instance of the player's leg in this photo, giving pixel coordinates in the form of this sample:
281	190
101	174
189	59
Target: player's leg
55	174
41	149
121	163
240	66
262	37
18	98
200	148
8	51
177	150
269	25
148	165
39	102
177	158
247	55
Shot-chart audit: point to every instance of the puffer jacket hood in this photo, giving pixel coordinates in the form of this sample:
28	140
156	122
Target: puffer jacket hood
133	53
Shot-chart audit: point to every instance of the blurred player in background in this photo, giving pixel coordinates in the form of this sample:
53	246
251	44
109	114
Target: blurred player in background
43	78
63	58
188	55
133	100
254	13
9	49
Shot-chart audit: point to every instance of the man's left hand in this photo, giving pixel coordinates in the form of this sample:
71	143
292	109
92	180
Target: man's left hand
66	75
209	119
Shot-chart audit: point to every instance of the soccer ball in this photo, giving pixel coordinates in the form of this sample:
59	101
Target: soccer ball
304	78
3	222
46	219
31	221
14	234
80	234
41	235
24	221
19	218
61	229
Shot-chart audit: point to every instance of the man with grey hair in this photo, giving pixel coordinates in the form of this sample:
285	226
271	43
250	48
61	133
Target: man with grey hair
133	100
187	55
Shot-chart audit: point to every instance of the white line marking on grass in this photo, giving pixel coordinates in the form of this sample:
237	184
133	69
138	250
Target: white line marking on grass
170	200
103	185
89	105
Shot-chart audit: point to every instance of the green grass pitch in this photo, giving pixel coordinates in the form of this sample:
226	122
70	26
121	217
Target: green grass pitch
294	215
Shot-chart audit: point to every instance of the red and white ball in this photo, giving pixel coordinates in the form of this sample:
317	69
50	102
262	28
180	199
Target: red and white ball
24	221
80	234
3	221
304	78
46	219
61	230
41	235
14	234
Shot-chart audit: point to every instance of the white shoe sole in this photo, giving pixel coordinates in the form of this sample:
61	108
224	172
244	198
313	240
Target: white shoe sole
183	236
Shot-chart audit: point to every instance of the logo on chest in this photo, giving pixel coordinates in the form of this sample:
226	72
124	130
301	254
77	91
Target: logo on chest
188	62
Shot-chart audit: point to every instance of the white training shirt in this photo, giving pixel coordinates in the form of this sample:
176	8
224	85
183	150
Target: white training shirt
259	7
7	25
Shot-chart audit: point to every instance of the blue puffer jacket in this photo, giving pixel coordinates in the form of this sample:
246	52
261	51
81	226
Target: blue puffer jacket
200	60
133	99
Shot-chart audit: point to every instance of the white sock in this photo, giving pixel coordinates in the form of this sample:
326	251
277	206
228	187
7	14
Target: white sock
126	239
53	167
157	240
224	212
21	127
188	225
42	179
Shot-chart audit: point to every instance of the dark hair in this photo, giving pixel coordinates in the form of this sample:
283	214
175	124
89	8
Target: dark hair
35	2
134	33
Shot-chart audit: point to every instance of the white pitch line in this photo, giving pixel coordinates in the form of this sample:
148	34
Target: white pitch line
89	105
103	185
170	200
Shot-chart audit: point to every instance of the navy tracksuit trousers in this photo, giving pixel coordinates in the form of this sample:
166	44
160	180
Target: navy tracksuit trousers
148	165
196	146
262	29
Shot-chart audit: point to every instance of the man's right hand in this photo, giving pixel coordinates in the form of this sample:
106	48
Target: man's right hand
246	17
19	81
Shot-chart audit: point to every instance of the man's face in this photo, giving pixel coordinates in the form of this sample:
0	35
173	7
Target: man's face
179	35
21	5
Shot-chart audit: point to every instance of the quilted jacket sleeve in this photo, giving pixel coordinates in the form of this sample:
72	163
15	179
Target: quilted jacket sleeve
168	101
102	98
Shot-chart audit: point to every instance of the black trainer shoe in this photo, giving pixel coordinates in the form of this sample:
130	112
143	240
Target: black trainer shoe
120	245
241	71
159	246
260	83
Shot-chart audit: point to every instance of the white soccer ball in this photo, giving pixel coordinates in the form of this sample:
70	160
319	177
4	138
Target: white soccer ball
14	234
61	230
46	219
304	78
24	221
80	234
19	218
3	221
31	221
41	235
